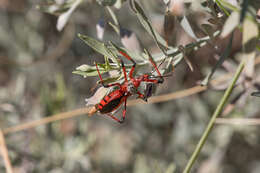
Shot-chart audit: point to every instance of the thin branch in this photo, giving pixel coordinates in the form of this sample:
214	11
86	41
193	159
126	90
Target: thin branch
238	121
56	117
171	96
4	152
210	125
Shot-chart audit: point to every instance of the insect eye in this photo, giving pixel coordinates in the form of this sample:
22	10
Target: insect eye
160	80
151	77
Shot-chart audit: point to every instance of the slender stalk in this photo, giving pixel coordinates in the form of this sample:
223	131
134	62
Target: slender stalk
53	118
4	152
238	121
223	8
214	116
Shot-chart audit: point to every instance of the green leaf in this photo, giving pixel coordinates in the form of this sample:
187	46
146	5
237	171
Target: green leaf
109	51
94	44
147	25
118	4
112	56
87	70
112	14
230	24
220	61
187	27
133	55
85	74
64	17
115	27
110	79
223	4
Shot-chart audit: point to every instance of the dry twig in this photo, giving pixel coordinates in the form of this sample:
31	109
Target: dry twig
4	153
56	117
238	121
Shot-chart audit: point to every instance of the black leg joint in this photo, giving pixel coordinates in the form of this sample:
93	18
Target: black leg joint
122	120
122	64
161	80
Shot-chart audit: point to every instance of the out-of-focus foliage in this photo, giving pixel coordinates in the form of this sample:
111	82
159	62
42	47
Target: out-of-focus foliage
40	47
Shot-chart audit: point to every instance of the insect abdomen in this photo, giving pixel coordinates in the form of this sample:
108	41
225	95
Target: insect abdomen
109	104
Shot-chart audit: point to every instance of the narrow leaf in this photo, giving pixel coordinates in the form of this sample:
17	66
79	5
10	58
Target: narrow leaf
230	24
112	56
132	54
147	25
112	14
64	17
115	27
86	67
94	44
187	27
85	74
87	70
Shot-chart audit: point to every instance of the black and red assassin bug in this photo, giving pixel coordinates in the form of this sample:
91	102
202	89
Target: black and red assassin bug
129	87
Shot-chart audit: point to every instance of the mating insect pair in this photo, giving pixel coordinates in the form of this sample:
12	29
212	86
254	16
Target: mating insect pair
129	87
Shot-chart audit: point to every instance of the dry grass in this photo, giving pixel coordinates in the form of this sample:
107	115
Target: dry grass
4	152
53	118
238	121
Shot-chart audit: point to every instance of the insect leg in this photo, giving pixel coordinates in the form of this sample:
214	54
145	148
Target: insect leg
102	82
124	71
140	95
114	118
134	63
124	112
161	80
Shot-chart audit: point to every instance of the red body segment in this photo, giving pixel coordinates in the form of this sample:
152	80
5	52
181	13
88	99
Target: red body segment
114	99
111	102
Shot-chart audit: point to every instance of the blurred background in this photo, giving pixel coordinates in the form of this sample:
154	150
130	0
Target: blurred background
36	81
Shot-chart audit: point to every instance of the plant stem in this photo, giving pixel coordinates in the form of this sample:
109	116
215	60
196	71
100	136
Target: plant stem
214	116
223	8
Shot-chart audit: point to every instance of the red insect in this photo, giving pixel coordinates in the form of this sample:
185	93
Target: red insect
129	87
